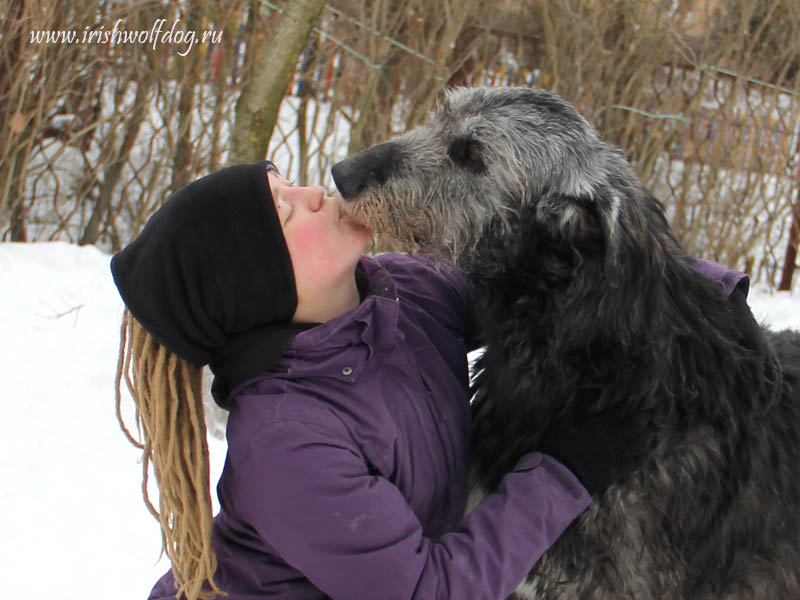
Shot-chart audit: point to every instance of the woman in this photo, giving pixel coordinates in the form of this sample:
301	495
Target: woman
346	382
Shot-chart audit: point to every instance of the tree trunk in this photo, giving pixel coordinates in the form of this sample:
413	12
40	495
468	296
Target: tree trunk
269	76
113	172
303	92
188	67
365	108
456	16
10	170
790	261
18	217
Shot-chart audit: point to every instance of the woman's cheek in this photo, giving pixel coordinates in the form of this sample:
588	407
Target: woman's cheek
311	247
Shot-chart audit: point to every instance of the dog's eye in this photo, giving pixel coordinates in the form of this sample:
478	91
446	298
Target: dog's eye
467	152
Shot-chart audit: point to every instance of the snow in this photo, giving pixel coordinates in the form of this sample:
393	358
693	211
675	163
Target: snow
73	521
777	310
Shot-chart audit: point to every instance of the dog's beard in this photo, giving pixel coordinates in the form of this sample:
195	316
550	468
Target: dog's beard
413	232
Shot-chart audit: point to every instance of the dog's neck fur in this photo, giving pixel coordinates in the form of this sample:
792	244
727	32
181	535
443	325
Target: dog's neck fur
583	349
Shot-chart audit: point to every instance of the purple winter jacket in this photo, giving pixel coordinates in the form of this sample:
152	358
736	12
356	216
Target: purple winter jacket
346	473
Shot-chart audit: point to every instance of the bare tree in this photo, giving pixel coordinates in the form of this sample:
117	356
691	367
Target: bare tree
703	96
260	99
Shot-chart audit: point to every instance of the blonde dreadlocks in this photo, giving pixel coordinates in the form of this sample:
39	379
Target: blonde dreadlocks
167	391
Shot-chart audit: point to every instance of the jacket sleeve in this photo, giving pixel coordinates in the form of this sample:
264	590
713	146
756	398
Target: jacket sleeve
312	498
728	279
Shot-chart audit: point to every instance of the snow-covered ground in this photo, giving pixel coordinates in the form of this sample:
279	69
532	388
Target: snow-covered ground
73	524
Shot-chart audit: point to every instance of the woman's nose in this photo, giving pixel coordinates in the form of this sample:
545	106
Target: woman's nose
313	196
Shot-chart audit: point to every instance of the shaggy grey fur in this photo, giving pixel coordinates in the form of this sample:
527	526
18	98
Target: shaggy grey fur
588	301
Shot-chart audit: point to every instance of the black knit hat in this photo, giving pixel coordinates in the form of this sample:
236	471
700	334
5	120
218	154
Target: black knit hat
210	275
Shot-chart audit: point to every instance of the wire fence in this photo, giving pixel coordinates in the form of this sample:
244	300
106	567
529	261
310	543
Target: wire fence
704	97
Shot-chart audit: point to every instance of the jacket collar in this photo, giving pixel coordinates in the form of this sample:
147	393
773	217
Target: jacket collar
373	321
372	326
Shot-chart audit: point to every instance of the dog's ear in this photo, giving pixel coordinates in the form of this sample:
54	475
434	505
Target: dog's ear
609	208
588	223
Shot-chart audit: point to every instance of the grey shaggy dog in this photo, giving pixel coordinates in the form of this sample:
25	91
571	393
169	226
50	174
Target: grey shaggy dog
588	301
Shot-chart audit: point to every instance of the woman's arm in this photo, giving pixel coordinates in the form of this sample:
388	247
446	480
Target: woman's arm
311	496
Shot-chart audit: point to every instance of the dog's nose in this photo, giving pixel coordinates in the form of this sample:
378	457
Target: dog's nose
369	167
348	177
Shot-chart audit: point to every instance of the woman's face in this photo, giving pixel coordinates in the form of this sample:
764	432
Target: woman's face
324	243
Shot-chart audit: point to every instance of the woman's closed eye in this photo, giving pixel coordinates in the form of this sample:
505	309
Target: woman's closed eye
285	210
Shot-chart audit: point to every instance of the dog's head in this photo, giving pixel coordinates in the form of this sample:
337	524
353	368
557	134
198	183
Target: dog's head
490	160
